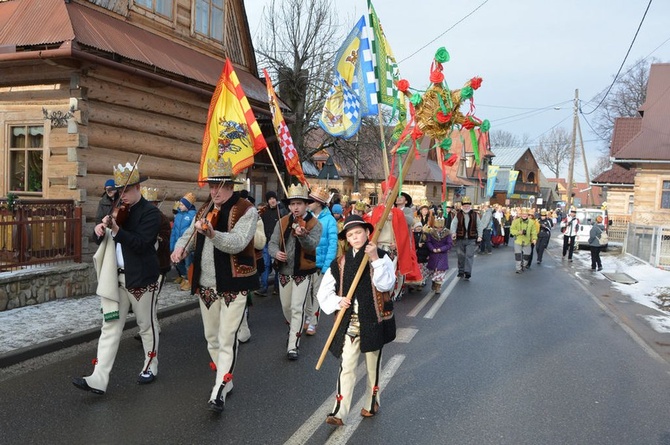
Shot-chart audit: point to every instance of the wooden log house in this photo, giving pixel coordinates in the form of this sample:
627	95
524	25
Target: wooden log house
85	85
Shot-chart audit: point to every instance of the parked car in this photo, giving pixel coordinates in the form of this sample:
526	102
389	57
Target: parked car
587	218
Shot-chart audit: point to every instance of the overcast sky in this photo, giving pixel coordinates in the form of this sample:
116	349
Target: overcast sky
532	54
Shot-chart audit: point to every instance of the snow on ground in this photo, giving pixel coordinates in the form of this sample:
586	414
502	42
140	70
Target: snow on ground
31	325
653	283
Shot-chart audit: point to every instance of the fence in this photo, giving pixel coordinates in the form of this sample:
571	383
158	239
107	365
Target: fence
38	232
650	244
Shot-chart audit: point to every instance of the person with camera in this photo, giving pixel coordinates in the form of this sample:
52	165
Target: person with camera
524	232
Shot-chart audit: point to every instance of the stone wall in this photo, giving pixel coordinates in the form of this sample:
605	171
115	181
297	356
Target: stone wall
29	287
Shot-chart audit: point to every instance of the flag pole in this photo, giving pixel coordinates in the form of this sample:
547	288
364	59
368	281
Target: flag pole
390	200
383	139
281	181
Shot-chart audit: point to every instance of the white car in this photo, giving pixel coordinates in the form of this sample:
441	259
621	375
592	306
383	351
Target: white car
587	218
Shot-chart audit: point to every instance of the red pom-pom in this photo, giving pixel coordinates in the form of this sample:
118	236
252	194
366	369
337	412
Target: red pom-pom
468	124
339	397
403	85
212	366
151	354
436	77
443	118
451	161
227	378
417	133
475	82
94	361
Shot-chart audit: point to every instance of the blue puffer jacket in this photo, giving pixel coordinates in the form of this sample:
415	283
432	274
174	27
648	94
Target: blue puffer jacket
182	221
327	248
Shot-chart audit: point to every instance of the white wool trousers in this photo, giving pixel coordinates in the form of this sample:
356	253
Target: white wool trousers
221	323
110	335
293	296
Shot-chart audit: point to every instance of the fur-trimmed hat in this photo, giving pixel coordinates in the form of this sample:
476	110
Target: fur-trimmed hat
354	221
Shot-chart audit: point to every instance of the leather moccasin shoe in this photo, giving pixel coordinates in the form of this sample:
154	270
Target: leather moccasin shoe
80	383
366	413
336	421
215	406
145	378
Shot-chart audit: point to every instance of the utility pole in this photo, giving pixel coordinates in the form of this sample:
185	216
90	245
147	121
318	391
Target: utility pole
586	167
571	170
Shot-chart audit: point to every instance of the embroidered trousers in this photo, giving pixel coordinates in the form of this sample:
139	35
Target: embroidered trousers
221	323
110	335
293	294
346	379
312	304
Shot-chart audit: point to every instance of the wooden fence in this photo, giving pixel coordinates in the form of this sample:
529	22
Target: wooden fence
36	232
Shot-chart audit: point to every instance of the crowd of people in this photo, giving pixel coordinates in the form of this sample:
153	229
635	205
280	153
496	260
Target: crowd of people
317	250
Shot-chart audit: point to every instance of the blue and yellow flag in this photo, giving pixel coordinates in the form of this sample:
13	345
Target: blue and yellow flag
513	174
491	179
353	94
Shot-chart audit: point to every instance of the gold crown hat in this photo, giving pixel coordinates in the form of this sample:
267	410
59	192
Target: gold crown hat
424	203
297	191
438	222
466	200
221	171
320	194
149	193
360	206
355	196
126	175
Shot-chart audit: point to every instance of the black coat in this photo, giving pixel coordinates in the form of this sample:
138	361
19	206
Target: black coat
137	237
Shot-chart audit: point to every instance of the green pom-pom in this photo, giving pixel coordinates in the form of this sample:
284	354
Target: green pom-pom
402	150
485	126
446	144
416	99
442	55
467	92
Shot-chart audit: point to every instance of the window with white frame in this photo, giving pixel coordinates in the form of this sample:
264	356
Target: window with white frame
631	201
26	158
160	7
209	18
665	195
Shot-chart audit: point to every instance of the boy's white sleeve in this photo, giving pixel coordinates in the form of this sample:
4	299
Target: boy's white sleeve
328	298
383	277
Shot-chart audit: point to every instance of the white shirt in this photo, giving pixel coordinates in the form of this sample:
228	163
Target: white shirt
383	278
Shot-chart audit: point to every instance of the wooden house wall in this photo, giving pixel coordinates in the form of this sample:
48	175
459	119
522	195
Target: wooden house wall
618	199
648	187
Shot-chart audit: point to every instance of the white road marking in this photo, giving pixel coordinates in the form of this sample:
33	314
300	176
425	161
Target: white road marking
424	301
440	301
317	419
405	335
342	434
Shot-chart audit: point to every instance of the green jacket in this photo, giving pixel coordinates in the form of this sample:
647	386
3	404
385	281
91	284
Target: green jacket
518	226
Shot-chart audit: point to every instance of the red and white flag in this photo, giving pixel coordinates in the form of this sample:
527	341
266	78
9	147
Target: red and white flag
291	158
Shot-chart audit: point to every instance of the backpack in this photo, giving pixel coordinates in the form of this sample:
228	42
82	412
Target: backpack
603	239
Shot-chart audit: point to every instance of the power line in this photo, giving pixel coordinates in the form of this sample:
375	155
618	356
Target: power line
624	60
449	29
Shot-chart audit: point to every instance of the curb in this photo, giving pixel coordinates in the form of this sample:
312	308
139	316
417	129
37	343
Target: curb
22	354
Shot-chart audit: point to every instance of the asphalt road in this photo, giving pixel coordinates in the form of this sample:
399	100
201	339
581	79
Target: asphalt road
502	359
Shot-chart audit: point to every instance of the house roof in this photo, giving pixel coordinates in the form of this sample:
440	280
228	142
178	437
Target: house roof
28	24
625	129
652	142
508	156
616	175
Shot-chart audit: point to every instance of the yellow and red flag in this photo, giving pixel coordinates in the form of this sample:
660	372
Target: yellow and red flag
291	158
232	133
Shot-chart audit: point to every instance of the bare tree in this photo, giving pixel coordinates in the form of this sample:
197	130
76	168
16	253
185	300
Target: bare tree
624	100
602	163
298	46
554	150
501	138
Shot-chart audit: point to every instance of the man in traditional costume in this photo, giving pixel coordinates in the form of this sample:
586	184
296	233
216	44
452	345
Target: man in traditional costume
466	230
367	324
224	272
128	277
293	245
